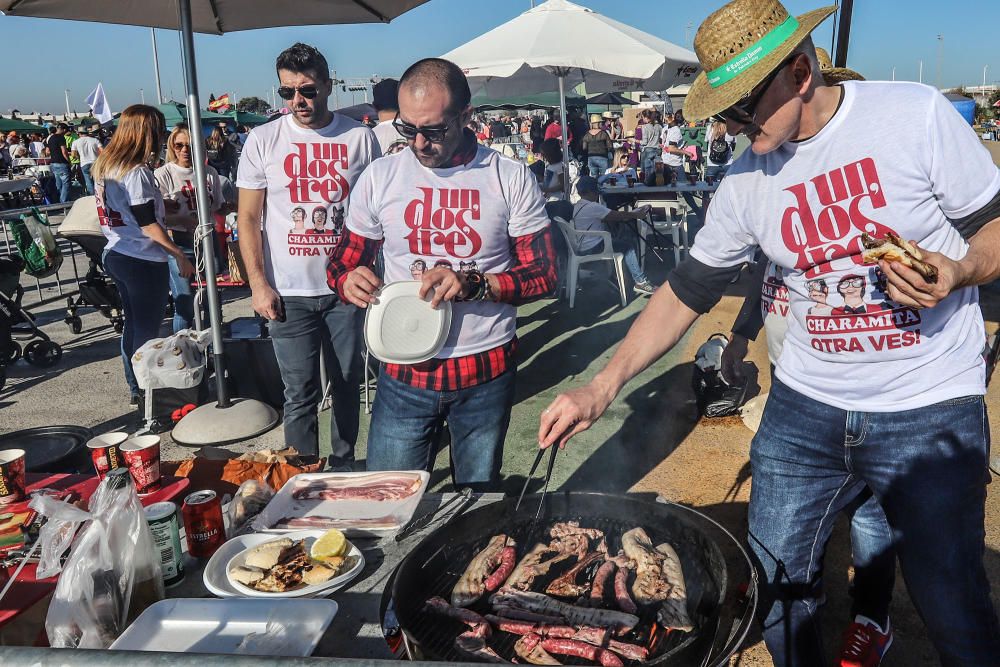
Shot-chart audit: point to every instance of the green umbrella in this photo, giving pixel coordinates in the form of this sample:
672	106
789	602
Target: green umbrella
247	118
18	125
175	112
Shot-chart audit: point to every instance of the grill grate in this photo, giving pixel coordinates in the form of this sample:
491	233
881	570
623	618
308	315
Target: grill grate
437	570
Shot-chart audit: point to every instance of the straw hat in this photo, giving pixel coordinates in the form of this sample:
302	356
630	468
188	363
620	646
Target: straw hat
739	45
834	75
595	118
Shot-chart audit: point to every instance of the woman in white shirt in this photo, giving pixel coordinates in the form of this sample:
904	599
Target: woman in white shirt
176	180
130	209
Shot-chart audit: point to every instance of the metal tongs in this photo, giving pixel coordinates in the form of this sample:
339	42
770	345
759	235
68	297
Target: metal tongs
554	449
464	495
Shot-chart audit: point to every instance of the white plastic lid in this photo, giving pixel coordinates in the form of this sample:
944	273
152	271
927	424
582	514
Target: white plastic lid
402	328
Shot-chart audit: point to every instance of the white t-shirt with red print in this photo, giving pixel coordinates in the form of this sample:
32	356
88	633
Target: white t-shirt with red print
308	175
894	157
462	217
177	184
774	309
115	197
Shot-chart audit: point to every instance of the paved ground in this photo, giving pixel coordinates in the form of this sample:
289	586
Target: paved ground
650	440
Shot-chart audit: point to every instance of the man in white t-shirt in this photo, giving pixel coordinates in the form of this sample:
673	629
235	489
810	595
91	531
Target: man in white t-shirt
891	399
478	219
385	95
87	148
309	158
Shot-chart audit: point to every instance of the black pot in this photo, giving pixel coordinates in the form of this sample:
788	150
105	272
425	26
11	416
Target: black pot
53	449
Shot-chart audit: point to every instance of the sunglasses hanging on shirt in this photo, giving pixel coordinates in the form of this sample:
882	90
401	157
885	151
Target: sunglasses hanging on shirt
288	92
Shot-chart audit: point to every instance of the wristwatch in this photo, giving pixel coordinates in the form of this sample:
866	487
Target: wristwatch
478	287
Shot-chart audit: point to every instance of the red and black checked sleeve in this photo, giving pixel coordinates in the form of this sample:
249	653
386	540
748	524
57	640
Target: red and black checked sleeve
352	250
534	272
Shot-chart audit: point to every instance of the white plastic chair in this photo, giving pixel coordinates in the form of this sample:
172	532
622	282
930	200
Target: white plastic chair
573	238
676	228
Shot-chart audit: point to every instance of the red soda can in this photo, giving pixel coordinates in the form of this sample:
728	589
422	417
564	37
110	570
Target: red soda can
206	532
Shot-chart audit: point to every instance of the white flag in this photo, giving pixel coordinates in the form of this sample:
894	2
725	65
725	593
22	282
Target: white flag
99	106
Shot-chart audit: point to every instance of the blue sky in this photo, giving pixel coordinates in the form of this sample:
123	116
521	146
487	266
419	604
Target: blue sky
55	55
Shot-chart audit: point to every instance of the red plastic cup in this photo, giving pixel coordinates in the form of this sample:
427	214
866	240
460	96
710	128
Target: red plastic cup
106	453
11	476
142	456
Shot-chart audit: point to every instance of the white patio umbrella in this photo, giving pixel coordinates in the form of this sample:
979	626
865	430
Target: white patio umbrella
227	420
559	40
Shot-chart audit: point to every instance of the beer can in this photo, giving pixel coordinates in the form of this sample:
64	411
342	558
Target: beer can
162	520
203	523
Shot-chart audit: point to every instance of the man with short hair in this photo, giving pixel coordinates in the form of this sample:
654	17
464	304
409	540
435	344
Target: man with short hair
385	95
86	149
59	159
891	401
447	200
309	158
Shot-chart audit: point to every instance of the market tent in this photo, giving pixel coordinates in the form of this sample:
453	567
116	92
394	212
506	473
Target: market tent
225	420
18	125
549	100
558	44
242	117
175	113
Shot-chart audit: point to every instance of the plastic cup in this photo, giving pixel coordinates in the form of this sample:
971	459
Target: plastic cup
630	181
613	181
142	456
11	476
106	453
692	178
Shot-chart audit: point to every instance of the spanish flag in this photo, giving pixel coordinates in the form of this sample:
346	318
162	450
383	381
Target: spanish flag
221	104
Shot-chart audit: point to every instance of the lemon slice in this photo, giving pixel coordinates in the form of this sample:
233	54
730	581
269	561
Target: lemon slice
330	544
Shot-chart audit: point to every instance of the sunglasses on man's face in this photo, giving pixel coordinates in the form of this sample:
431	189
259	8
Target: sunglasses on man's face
432	133
288	92
744	111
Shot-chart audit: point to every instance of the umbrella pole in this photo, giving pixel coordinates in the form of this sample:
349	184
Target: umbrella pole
225	420
565	139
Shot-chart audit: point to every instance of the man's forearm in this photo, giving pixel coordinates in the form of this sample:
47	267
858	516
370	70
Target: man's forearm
252	248
982	263
661	324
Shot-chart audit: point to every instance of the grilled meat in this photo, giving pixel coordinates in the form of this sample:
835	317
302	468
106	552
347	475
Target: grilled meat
287	574
573	544
529	648
532	566
573	528
650	585
566	585
580	649
618	621
472	585
630	651
894	249
507	558
472	641
513	613
673	613
622	598
601	580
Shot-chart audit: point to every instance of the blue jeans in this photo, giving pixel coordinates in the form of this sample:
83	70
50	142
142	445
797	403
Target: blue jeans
597	165
183	293
88	181
143	287
926	467
648	155
61	173
873	554
407	422
716	171
624	240
312	323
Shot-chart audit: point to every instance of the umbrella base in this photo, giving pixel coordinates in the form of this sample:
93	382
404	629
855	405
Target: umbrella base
212	425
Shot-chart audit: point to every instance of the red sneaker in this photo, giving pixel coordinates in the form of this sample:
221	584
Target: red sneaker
865	643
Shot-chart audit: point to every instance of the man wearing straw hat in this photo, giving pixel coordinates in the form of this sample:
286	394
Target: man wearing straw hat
891	400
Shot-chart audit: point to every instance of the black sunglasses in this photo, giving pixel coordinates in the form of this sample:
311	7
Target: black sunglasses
288	92
744	111
432	133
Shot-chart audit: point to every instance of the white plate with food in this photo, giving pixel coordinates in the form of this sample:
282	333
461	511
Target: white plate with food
234	627
294	565
358	503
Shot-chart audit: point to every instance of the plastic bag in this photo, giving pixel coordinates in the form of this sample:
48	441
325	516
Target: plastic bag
56	534
715	396
250	500
36	244
176	362
112	573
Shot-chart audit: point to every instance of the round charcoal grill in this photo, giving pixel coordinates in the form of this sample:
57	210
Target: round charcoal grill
722	589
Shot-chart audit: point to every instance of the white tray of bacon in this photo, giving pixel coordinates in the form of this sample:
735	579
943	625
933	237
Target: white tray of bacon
358	503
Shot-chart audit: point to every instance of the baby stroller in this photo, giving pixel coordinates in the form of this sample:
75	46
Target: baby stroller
82	228
16	322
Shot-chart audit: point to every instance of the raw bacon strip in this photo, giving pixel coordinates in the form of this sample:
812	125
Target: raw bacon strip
328	522
379	487
507	559
622	597
583	650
